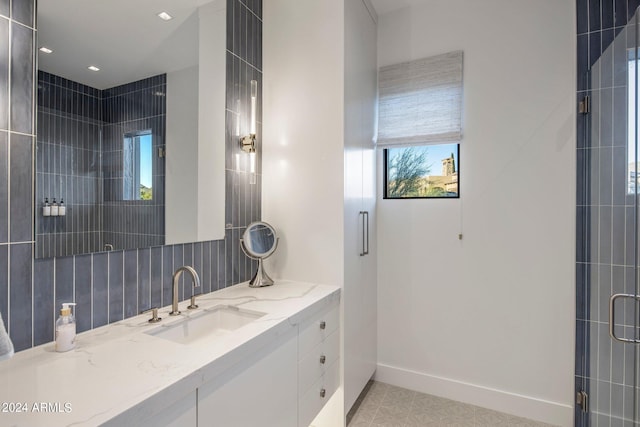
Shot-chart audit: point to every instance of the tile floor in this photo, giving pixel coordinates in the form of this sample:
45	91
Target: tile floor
384	405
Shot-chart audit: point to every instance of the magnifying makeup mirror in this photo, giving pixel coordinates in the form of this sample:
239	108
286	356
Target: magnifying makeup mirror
259	241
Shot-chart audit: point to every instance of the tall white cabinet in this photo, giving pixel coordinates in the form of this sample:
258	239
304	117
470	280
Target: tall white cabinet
320	83
360	279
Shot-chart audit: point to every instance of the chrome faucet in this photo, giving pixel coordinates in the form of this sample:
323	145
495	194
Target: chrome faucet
176	278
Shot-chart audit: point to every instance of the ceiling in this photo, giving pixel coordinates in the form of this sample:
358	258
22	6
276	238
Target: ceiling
124	38
386	6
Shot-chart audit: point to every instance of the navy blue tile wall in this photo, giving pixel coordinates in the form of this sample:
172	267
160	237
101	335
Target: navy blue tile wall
4	73
117	277
79	158
21	69
5	8
68	165
129	109
605	226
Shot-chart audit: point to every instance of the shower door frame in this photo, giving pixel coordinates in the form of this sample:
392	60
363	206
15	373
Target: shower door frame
607	352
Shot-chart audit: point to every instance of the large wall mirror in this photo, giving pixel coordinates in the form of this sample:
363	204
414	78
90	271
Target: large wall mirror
131	124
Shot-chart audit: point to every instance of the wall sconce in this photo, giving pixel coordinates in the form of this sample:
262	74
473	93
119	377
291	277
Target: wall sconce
248	143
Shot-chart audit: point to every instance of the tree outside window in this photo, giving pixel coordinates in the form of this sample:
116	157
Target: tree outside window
429	171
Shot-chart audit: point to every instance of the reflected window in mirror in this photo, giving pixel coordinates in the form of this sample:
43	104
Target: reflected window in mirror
137	176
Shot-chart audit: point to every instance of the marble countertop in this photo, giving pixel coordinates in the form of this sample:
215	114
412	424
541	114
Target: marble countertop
119	374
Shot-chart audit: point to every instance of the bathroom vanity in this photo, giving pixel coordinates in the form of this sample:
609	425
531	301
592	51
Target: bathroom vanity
246	356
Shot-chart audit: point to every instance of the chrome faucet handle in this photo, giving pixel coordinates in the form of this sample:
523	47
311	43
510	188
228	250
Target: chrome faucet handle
193	304
154	315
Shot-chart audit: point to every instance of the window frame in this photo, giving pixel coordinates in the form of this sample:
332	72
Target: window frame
385	171
136	161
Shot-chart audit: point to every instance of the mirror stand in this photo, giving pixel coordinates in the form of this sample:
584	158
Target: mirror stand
260	278
259	241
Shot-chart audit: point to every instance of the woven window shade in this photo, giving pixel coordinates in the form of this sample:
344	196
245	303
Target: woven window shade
421	101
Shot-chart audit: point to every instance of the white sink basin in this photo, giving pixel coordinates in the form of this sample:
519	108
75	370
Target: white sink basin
217	321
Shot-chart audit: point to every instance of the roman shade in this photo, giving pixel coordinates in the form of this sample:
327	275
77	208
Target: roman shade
420	102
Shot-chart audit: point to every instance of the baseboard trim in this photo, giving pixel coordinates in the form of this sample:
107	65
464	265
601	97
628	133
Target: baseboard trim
559	414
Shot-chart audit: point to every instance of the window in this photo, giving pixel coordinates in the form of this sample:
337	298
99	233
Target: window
137	171
420	127
427	171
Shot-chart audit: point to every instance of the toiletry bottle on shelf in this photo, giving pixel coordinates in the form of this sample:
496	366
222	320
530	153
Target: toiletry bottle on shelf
46	209
65	329
62	209
54	208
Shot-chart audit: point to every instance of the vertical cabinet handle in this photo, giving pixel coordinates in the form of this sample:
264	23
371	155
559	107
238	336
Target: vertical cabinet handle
323	393
365	233
323	324
366	215
323	359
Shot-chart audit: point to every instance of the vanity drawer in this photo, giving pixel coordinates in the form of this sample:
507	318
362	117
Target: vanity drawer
318	395
314	331
315	363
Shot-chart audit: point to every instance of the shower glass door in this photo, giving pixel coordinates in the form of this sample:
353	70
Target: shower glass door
607	234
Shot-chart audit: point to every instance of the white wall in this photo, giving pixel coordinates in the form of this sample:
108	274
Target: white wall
489	319
212	89
181	141
195	140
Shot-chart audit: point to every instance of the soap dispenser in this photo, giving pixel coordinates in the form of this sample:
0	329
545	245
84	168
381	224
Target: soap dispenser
66	329
54	208
46	209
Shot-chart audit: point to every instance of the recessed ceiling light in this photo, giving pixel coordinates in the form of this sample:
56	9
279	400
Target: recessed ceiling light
45	50
165	16
93	68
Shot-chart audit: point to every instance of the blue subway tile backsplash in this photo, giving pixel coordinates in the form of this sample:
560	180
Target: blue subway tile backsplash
4	186
632	6
594	15
20	200
5	7
4	74
21	78
21	293
582	16
619	13
118	284
43	301
23	12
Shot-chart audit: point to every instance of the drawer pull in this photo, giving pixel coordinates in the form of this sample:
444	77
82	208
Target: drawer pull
323	393
323	359
323	325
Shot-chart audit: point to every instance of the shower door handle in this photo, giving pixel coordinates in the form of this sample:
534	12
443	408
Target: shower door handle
612	311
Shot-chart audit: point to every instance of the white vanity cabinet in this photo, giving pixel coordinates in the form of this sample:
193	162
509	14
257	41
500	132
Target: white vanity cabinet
262	394
285	384
318	362
182	413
